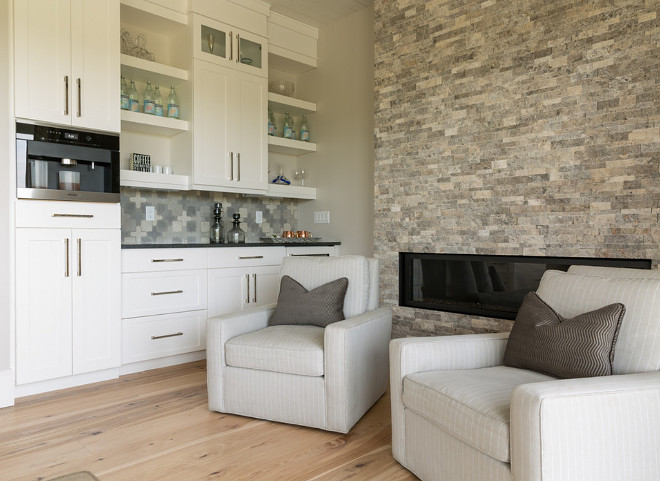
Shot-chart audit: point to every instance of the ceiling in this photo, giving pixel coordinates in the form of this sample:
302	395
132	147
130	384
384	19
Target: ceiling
318	13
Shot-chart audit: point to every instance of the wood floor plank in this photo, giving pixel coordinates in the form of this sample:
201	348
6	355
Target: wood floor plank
156	426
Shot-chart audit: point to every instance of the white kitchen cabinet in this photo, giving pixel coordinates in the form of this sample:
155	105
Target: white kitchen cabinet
238	288
67	302
67	62
228	46
230	146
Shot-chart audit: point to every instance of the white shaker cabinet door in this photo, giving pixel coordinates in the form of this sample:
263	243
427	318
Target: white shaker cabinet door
227	290
43	304
96	275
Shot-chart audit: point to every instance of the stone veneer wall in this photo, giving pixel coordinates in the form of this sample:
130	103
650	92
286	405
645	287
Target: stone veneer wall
185	217
522	127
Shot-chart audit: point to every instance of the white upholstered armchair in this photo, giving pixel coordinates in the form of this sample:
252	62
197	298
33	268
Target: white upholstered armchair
459	414
324	378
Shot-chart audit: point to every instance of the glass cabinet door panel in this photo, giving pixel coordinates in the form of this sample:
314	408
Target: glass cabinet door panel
250	52
214	41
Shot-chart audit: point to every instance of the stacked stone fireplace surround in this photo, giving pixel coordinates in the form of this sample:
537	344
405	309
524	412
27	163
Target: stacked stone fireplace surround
521	127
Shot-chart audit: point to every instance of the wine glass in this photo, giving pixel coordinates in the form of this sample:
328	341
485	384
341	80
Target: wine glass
300	175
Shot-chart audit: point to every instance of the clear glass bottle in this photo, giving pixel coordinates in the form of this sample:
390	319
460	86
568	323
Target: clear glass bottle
236	235
304	129
133	99
173	104
148	102
272	130
125	105
158	103
287	131
217	234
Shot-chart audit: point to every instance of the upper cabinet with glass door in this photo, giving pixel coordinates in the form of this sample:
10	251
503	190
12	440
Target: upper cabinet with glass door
225	45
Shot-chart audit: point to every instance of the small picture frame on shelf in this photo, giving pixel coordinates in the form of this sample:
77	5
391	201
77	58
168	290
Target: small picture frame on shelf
140	163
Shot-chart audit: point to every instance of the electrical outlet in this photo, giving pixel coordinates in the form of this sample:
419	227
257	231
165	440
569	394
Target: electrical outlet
151	213
322	217
259	217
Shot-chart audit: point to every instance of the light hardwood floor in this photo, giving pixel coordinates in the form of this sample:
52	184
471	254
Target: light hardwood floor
155	425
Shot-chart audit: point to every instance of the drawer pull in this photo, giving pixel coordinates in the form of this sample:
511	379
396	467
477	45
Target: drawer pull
167	335
166	292
250	257
166	260
86	216
309	255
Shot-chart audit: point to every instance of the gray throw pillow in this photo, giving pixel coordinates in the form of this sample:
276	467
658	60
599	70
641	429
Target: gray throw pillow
541	340
319	307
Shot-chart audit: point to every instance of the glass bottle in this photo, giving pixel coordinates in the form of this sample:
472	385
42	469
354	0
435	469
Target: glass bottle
125	105
133	99
272	130
304	129
173	104
148	101
158	103
287	132
236	235
217	234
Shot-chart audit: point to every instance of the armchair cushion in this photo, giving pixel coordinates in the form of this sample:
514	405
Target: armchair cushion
472	405
544	341
318	307
286	349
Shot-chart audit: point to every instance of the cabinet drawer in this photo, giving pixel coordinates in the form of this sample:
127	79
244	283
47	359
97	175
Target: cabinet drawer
77	215
245	256
151	260
166	335
319	251
163	292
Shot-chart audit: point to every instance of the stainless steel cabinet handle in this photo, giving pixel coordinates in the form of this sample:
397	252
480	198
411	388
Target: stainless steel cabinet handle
163	293
254	277
231	45
167	335
79	257
250	257
309	255
66	95
166	260
66	250
238	160
247	279
86	216
231	157
78	83
238	47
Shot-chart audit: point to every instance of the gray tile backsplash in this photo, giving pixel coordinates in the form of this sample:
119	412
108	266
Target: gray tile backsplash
184	217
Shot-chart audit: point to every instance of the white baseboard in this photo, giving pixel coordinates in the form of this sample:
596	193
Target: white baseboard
6	388
65	382
161	362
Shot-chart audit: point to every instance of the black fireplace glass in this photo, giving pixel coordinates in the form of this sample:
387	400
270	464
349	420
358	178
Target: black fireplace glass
484	285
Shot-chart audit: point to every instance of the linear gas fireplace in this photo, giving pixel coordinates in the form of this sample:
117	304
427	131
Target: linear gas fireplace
484	285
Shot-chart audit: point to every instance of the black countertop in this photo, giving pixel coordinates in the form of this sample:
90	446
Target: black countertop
247	244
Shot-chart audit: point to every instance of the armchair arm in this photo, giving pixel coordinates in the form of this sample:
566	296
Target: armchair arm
444	353
355	366
219	330
604	428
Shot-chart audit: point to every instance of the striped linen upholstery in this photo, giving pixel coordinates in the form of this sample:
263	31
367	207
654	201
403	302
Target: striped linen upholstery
638	345
614	272
472	405
287	349
276	396
435	455
312	272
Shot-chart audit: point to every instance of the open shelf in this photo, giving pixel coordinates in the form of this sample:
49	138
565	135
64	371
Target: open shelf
281	145
151	124
134	68
295	107
159	19
291	191
149	180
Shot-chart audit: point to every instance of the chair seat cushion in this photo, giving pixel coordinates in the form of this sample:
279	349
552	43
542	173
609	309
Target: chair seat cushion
286	349
471	405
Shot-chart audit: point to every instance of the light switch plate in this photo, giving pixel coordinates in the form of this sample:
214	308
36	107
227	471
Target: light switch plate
322	217
259	217
151	213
